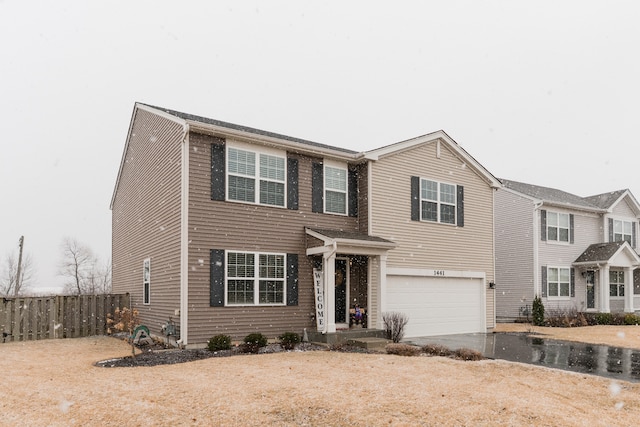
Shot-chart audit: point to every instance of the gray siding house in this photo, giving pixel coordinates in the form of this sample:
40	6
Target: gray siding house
574	252
226	229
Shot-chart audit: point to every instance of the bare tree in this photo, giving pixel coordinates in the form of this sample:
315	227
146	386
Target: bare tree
84	272
10	286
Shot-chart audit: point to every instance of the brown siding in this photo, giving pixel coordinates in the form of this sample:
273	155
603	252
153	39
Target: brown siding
431	245
242	226
146	217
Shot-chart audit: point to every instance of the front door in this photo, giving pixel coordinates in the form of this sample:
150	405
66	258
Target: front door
342	285
591	289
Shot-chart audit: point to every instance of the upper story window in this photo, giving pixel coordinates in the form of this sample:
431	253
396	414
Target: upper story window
256	177
622	231
558	227
558	282
437	201
251	284
146	281
616	283
335	190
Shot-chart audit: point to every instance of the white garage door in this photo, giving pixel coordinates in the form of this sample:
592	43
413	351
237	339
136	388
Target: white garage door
437	305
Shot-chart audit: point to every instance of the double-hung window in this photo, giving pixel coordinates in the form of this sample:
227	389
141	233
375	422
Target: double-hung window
558	282
622	231
437	201
256	177
335	190
616	283
146	281
558	227
255	278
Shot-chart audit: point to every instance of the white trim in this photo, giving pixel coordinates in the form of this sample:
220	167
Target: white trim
436	272
369	198
146	280
559	297
184	241
568	228
439	202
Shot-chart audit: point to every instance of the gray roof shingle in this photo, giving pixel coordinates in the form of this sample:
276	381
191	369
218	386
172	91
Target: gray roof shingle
349	235
599	252
605	200
551	195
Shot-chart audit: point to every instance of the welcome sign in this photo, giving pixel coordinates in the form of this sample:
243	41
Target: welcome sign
318	282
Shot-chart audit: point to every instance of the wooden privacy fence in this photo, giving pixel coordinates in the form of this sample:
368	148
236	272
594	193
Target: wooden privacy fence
61	316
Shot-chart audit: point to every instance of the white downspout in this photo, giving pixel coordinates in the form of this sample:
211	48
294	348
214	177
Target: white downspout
184	241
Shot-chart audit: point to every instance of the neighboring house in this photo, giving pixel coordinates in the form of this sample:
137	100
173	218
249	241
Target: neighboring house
576	253
229	230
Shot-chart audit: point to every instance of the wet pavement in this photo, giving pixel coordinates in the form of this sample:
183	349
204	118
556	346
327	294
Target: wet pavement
605	361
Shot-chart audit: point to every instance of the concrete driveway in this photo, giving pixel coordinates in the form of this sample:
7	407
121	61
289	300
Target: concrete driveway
606	361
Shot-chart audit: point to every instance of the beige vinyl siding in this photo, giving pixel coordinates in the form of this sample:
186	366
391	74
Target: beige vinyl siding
247	227
146	217
423	244
514	253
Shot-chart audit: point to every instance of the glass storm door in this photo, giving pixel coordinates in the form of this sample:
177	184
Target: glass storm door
591	289
341	291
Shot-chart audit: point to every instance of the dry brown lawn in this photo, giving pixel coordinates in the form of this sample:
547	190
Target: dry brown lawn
54	383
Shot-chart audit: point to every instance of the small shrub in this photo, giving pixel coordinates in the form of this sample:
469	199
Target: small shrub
219	342
436	350
125	320
402	349
604	318
288	340
631	319
468	354
565	318
254	342
394	324
537	311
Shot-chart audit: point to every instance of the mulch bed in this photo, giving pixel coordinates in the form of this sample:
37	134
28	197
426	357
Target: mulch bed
158	354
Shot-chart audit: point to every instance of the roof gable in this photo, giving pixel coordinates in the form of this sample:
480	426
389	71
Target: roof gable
439	137
614	253
610	200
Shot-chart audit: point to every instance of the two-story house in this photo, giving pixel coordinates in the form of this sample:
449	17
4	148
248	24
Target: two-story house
231	230
576	253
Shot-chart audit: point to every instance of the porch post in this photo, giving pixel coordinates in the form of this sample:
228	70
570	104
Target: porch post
628	290
330	290
605	307
382	289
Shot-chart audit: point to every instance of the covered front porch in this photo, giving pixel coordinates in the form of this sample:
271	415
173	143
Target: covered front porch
609	270
349	279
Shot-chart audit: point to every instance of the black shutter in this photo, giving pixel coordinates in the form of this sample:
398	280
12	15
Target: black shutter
218	181
573	282
633	235
460	206
216	298
610	229
571	240
544	281
292	279
317	187
543	225
415	198
292	183
352	186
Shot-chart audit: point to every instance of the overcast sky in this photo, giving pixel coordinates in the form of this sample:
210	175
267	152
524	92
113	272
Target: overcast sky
545	92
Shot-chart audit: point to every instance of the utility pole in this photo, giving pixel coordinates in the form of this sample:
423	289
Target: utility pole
19	272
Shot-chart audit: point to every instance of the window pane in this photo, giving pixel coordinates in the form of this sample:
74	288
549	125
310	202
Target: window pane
271	291
620	290
242	189
552	275
448	193
272	167
627	227
429	190
563	220
564	235
272	193
448	214
335	179
429	211
242	162
336	202
240	292
565	274
552	219
564	289
617	226
613	276
613	290
553	289
552	233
